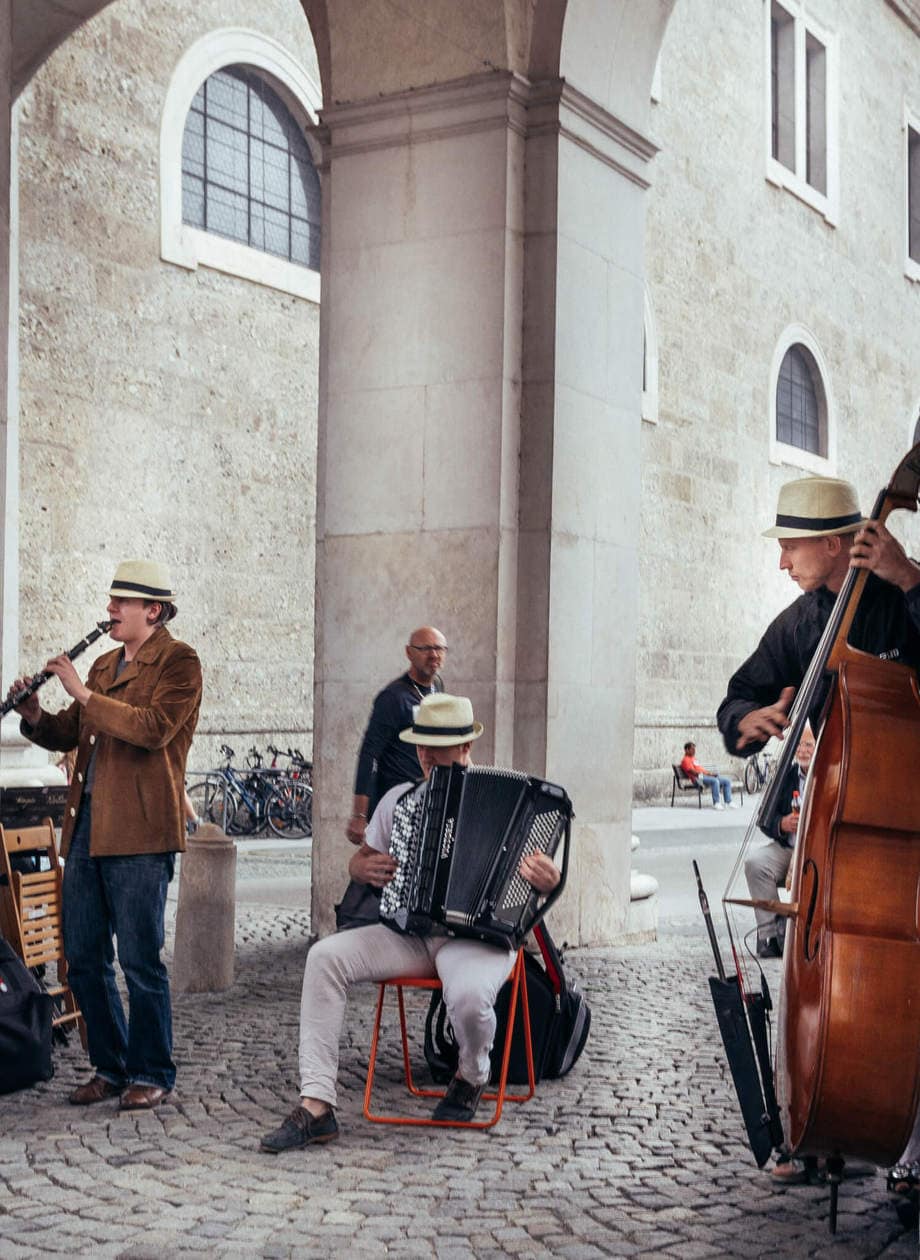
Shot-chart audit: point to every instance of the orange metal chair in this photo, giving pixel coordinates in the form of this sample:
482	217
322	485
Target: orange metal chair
500	1096
30	913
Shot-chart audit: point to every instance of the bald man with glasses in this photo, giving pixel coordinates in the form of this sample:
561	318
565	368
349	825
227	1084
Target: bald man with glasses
384	760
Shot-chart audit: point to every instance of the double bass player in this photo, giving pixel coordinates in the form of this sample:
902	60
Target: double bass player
822	534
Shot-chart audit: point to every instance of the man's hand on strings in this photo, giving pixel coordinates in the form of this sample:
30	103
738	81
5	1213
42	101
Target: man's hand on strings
759	725
876	549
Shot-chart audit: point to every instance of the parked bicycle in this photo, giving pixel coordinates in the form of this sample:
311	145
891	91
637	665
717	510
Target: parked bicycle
245	803
757	771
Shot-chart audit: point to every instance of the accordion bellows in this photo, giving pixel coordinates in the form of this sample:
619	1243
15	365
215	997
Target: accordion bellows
459	841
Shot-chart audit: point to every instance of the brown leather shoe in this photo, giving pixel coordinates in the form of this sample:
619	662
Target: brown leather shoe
96	1090
144	1097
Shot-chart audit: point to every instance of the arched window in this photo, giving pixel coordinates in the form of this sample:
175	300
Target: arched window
239	191
802	427
246	170
798	414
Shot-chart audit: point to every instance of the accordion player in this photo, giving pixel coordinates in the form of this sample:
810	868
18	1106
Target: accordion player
458	847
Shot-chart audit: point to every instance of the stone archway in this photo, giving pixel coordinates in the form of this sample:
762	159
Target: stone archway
484	197
481	361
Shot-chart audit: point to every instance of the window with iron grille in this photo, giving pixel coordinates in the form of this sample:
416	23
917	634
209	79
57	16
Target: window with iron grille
247	173
799	419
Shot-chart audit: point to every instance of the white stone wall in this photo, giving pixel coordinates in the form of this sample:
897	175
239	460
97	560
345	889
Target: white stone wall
165	412
732	261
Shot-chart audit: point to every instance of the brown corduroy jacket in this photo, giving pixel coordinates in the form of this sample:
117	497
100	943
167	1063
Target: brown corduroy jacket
140	725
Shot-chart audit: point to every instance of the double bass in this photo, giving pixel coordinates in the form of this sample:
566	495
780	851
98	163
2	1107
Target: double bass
847	1066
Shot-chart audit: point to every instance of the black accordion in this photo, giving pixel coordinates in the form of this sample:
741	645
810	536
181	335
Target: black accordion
459	842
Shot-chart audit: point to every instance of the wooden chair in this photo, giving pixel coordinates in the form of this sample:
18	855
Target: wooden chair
500	1096
30	911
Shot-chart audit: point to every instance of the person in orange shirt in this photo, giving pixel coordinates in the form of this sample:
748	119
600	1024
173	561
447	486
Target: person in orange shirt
717	783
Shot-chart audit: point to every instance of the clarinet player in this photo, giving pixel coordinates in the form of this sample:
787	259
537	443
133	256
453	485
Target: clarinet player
131	722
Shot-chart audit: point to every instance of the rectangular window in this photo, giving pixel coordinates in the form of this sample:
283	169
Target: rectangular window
913	194
816	111
800	115
782	76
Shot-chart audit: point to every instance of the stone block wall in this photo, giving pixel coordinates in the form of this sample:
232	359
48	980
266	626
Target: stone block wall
164	412
733	260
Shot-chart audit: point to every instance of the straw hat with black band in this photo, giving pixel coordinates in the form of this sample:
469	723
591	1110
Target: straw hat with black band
143	579
442	721
816	507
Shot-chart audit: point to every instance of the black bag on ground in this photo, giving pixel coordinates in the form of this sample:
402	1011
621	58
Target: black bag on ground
25	1025
572	1021
359	907
560	1020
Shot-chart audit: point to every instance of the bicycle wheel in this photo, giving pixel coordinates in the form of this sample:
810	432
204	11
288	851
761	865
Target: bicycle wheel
211	804
246	819
290	811
750	776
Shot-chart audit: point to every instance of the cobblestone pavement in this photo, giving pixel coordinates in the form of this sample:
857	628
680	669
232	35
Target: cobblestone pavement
637	1153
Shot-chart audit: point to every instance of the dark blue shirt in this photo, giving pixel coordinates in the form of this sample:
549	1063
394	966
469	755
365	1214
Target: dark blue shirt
384	760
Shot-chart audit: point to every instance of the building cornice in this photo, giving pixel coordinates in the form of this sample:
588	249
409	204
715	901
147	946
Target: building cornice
481	102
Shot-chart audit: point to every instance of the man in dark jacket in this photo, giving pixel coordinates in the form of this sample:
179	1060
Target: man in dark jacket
821	535
132	724
384	760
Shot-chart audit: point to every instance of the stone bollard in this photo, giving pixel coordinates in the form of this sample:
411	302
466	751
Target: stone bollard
206	913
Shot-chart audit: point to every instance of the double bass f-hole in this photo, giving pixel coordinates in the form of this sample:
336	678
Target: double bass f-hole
810	946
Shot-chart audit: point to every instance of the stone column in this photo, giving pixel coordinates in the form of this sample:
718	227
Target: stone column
20	761
13	748
419	414
587	173
443	495
8	436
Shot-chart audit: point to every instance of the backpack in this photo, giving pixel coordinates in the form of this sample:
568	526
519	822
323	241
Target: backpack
560	1020
572	1021
25	1025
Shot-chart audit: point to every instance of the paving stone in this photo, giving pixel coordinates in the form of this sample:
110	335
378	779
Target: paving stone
638	1152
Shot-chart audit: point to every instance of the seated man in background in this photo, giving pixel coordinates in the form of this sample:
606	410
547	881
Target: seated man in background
471	971
766	868
709	778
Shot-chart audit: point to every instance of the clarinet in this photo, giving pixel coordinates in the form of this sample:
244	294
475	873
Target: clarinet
102	627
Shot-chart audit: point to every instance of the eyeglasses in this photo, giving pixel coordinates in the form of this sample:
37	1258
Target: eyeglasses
429	647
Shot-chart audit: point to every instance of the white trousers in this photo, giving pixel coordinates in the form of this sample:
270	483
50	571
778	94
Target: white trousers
765	871
471	974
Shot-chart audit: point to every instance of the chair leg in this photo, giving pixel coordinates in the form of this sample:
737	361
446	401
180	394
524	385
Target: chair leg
498	1096
372	1056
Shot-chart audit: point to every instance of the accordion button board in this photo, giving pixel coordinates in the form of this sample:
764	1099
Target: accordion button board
459	840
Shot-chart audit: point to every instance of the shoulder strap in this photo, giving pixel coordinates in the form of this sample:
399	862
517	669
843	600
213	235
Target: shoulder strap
551	959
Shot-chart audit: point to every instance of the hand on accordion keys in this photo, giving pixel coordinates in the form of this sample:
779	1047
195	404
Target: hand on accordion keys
368	866
540	871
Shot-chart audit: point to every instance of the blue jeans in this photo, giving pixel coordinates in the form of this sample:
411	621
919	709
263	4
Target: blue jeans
124	896
712	781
